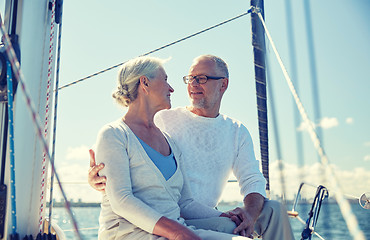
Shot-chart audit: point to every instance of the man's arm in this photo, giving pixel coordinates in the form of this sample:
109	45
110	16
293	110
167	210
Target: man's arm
95	181
252	184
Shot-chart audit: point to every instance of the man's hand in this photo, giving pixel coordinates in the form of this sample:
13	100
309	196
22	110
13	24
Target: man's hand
243	221
246	217
95	181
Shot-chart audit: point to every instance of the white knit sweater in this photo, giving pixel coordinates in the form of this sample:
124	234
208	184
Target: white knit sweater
211	149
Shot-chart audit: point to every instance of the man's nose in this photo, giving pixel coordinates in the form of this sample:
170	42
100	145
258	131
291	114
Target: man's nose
194	82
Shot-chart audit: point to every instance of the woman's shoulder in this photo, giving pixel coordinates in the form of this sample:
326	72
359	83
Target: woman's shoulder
114	128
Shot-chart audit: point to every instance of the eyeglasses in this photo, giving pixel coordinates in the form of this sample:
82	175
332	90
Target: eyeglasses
201	79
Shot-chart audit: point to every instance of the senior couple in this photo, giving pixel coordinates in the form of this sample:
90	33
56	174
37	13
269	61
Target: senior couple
162	171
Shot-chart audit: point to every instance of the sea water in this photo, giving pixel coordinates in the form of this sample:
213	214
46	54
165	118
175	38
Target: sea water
330	225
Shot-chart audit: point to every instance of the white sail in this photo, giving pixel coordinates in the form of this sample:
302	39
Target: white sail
33	29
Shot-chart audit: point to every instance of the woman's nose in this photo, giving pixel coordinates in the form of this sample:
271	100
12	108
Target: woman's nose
171	89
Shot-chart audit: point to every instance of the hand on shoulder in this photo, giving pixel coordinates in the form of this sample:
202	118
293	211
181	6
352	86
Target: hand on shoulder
97	182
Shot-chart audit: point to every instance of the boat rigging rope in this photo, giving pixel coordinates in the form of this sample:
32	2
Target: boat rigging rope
55	119
293	66
315	96
276	131
313	71
11	148
47	114
344	206
35	117
157	49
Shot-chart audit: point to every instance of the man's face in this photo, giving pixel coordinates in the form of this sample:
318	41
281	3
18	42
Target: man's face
209	94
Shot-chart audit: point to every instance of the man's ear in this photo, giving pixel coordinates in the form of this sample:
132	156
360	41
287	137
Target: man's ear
225	84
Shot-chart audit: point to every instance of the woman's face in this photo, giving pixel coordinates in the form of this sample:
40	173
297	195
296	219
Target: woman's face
160	90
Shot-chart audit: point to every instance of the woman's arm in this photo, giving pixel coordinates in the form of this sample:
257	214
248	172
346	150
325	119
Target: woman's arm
173	230
111	148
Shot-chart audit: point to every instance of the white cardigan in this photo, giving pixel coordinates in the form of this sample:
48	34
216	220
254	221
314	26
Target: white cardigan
137	194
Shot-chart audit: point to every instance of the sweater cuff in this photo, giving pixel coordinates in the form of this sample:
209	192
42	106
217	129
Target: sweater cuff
149	224
255	188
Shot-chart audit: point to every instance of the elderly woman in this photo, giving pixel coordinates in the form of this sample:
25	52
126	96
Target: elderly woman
146	194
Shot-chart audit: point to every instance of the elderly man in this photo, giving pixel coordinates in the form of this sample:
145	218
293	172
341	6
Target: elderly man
212	146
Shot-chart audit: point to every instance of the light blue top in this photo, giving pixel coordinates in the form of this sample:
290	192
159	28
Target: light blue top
165	164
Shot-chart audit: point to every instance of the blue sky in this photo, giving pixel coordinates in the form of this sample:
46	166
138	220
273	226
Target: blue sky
97	35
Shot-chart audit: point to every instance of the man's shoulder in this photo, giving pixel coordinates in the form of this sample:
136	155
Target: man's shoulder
232	121
171	113
171	119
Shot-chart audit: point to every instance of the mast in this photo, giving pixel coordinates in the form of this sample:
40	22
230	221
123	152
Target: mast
259	49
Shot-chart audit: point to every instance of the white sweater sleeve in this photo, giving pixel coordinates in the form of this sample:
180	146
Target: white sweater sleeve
111	149
246	167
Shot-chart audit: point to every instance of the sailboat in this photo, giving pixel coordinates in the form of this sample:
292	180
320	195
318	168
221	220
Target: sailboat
38	56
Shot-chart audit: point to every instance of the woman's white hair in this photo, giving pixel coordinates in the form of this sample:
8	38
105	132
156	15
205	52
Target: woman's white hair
129	77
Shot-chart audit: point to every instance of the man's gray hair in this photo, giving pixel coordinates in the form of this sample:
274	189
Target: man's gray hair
221	65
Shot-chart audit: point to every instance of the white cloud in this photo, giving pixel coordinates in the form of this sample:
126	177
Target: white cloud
349	120
367	158
353	182
327	122
73	175
367	144
78	153
303	127
74	182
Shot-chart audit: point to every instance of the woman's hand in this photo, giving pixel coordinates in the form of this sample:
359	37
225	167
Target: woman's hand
173	230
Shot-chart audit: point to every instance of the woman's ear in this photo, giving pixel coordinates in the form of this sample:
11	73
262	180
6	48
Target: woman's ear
144	80
144	83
